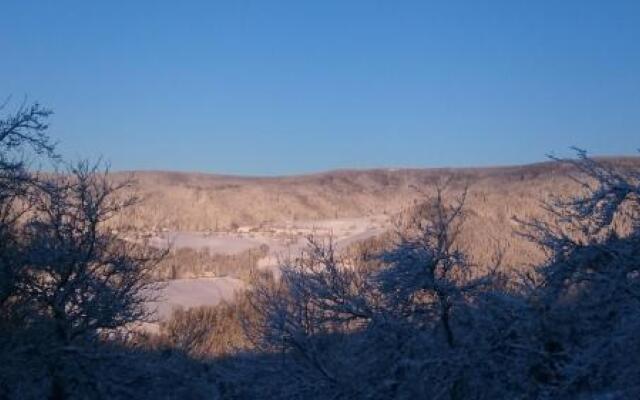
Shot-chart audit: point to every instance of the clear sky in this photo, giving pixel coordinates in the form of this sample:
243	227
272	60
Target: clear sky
284	87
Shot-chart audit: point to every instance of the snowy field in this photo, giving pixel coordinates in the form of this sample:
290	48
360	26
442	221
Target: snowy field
284	240
219	243
188	293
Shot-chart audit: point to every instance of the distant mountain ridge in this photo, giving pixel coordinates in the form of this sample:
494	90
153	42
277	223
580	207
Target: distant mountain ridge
175	201
200	201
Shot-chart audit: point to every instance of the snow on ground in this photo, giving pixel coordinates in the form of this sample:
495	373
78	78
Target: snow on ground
219	243
285	240
195	292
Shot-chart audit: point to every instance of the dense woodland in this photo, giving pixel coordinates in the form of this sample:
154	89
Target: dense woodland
410	315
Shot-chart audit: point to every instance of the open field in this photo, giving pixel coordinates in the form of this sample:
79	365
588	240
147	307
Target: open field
195	292
282	241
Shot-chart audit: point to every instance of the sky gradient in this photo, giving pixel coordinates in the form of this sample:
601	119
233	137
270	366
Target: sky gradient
286	87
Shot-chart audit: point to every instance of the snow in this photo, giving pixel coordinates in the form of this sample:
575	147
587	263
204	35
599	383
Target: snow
195	292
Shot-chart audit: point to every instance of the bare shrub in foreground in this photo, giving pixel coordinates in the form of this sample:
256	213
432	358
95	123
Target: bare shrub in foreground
207	331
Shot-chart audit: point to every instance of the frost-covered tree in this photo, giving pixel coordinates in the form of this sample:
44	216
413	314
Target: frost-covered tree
587	295
443	308
401	329
426	272
310	312
22	134
65	278
83	277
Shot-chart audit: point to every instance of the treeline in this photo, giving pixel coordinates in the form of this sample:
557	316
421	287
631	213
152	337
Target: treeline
186	262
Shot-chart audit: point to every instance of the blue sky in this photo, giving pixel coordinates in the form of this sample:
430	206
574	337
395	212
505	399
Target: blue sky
284	87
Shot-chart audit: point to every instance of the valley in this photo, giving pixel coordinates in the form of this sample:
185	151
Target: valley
270	219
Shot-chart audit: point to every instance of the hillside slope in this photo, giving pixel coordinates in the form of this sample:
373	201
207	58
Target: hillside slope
204	202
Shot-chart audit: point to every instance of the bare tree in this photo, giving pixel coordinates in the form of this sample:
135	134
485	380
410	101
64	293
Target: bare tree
428	273
327	313
587	295
22	133
66	277
609	194
83	277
